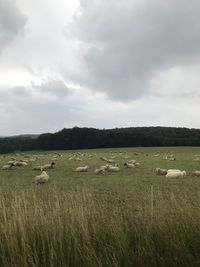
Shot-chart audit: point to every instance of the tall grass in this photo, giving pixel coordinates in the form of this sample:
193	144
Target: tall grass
86	228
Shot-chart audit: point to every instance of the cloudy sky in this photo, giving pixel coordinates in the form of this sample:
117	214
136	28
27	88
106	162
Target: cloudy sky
98	63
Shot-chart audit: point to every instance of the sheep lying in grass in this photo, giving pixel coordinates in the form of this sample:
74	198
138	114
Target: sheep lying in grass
173	170
8	166
107	160
132	161
100	171
172	159
82	169
196	173
129	165
20	163
175	174
38	168
48	166
160	171
42	178
111	168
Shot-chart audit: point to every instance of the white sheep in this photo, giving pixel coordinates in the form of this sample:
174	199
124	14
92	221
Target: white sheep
172	159
129	165
38	168
20	163
111	168
8	166
48	166
137	164
132	161
82	169
160	171
100	171
173	170
103	167
42	178
175	174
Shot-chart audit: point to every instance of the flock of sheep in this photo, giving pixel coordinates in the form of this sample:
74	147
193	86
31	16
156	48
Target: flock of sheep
110	165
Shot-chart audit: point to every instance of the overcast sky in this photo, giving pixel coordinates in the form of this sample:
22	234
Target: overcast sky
98	63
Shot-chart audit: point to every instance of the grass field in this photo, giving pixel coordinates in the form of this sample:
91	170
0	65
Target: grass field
129	218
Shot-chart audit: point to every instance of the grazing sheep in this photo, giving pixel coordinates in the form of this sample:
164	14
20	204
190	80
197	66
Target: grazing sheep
175	174
82	169
160	171
196	173
8	166
42	178
48	166
129	165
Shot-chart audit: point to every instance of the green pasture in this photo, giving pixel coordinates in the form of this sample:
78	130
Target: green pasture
129	218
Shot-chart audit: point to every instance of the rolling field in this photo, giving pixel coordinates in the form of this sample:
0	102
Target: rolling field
129	218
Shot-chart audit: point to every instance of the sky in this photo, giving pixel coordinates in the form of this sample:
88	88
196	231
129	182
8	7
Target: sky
98	63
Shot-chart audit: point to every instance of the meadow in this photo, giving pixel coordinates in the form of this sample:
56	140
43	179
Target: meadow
124	219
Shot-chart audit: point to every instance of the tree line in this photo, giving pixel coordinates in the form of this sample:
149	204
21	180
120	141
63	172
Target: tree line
86	138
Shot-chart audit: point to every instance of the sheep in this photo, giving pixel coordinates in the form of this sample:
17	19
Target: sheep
42	178
38	168
173	170
160	171
82	169
100	171
129	165
75	158
175	174
111	168
48	166
20	163
172	159
132	161
103	167
103	158
7	166
11	161
137	164
32	159
196	159
196	173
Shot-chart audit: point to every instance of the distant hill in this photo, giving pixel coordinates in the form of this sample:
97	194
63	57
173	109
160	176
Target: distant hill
86	138
33	136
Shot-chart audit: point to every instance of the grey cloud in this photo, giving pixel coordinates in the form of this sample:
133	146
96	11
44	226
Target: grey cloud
12	22
54	87
126	43
21	91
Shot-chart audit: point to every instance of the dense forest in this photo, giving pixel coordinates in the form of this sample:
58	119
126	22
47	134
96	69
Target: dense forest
79	138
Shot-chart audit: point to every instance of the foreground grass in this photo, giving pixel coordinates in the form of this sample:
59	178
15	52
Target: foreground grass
131	218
